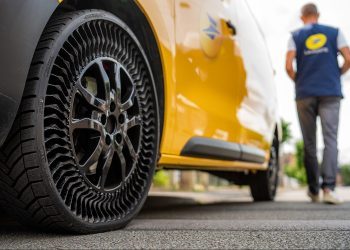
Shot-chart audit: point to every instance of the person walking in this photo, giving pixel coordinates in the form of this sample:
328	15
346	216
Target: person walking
318	94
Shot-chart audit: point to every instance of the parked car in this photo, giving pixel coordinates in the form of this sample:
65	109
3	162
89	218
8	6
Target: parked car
96	95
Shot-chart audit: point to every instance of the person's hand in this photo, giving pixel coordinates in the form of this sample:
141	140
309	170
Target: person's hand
289	64
345	52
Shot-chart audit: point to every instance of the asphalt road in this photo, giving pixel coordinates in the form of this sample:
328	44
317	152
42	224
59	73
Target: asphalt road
221	219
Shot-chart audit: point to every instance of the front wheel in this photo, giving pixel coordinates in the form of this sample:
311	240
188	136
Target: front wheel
263	184
83	149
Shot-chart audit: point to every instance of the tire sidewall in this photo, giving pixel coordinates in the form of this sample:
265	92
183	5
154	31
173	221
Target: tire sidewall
77	224
260	183
275	146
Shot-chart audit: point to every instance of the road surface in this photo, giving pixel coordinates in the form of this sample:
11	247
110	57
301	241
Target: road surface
217	219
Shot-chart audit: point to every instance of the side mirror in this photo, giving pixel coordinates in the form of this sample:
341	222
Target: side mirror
231	27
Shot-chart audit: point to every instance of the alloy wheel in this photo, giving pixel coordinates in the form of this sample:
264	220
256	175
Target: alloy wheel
105	124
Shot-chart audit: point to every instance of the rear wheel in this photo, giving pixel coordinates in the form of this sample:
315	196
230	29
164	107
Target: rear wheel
263	184
83	149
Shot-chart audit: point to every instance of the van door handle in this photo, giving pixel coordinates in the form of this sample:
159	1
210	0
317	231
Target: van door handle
231	27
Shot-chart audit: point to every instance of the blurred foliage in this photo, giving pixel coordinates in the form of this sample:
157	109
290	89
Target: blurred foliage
299	154
286	132
345	174
161	179
298	171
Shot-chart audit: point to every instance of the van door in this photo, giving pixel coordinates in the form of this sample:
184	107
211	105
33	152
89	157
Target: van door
210	76
258	111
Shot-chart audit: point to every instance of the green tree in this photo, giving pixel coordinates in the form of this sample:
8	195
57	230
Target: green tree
298	170
299	154
345	173
161	179
286	132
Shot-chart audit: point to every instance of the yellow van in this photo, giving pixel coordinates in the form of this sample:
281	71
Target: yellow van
96	95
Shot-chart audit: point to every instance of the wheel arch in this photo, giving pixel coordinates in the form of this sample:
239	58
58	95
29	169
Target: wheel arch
279	132
131	14
27	30
21	26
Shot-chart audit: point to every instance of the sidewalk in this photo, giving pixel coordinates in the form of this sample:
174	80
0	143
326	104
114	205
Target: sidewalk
300	194
243	195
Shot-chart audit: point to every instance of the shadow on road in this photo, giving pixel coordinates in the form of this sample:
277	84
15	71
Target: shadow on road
155	206
162	207
202	221
168	207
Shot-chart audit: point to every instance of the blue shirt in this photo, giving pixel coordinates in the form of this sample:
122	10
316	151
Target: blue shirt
318	72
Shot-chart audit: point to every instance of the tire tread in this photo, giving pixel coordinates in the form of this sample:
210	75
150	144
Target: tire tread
21	181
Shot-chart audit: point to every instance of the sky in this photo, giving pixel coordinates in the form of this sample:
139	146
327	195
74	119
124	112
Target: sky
277	19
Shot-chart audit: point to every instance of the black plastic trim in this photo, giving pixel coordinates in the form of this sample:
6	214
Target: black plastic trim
222	150
21	25
252	154
212	149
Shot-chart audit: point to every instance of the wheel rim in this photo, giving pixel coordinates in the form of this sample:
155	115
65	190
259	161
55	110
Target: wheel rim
103	113
118	118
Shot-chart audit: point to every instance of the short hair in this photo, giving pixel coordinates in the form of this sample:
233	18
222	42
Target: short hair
309	9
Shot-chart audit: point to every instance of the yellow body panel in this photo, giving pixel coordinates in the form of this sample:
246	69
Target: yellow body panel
206	89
